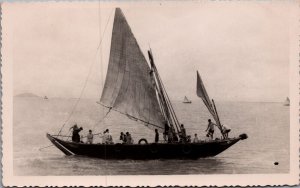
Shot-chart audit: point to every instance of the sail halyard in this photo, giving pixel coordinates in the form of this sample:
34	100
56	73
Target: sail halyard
128	87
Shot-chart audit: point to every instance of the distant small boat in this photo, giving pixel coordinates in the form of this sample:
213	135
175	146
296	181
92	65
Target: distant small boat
186	100
287	102
45	97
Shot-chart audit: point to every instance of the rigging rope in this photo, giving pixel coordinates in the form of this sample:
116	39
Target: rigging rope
88	76
93	126
101	62
101	118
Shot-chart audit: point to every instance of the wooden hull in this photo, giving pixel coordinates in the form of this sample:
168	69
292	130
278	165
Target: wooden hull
146	151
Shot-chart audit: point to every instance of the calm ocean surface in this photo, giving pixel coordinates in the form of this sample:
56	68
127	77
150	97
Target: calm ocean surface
267	125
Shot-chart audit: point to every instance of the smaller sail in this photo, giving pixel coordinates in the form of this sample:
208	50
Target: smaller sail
201	92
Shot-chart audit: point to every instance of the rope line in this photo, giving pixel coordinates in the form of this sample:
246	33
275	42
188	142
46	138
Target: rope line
86	80
101	119
132	117
69	135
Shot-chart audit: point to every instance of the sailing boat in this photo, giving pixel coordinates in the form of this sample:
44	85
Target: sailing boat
287	102
135	89
186	100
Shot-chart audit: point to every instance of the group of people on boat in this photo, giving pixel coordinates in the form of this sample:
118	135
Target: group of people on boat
211	129
106	136
76	136
126	138
169	135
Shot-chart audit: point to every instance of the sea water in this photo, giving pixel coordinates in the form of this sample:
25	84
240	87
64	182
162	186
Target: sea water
266	124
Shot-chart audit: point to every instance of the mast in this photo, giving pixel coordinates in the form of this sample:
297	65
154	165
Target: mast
163	97
217	117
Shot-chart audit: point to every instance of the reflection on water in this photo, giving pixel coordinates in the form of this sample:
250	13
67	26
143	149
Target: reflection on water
267	125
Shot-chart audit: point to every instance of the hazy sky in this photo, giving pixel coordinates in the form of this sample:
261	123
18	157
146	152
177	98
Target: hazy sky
241	49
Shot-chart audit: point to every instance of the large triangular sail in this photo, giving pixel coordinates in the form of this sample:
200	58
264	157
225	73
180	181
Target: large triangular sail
128	87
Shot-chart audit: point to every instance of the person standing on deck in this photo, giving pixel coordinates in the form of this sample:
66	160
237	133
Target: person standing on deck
75	133
128	138
109	139
175	138
90	137
156	136
225	131
170	137
105	136
195	140
210	128
174	134
123	137
166	132
183	133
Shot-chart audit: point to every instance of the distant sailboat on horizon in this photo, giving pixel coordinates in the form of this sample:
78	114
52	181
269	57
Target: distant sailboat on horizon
287	102
186	100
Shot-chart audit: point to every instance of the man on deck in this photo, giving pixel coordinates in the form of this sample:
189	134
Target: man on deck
210	128
107	138
75	133
166	132
90	137
156	136
183	133
196	139
129	139
225	131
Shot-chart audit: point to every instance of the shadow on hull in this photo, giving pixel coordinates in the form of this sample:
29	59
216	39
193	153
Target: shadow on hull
146	151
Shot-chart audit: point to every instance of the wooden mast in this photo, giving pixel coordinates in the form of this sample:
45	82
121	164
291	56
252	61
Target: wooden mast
166	104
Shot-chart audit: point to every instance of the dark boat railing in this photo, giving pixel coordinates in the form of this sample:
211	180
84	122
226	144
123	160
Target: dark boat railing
240	137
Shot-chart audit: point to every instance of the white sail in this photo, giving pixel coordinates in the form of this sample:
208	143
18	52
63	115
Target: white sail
186	100
287	102
128	86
